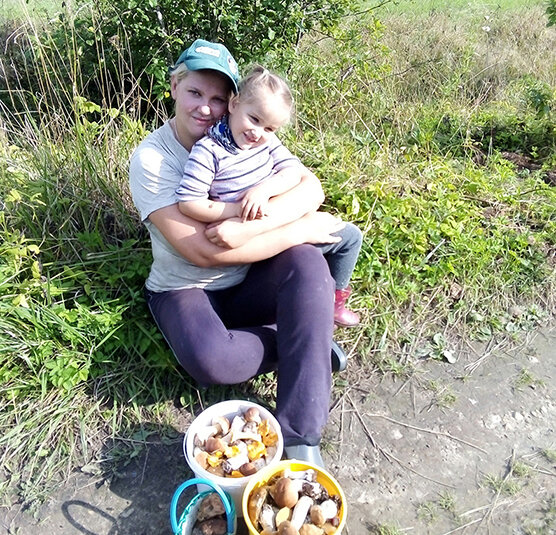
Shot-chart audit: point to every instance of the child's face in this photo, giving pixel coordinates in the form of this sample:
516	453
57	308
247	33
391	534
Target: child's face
254	119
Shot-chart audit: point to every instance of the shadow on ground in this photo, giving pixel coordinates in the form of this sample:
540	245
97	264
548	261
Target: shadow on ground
462	448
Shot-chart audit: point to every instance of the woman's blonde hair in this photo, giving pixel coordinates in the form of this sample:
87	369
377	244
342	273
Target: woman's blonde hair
179	73
261	78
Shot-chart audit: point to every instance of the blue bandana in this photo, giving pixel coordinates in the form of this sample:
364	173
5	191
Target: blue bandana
220	133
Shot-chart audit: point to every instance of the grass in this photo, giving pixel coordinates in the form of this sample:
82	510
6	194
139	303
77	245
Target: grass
406	120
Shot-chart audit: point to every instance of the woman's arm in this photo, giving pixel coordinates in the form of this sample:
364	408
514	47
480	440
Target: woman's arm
187	236
302	199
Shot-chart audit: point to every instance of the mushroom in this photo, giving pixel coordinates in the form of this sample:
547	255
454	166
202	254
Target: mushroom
213	526
237	425
245	435
322	512
213	444
307	475
282	515
310	529
266	518
204	433
210	506
251	427
314	490
201	457
330	529
300	511
285	493
223	423
286	528
248	469
255	503
252	415
234	463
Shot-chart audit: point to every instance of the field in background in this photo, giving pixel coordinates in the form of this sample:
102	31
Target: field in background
432	130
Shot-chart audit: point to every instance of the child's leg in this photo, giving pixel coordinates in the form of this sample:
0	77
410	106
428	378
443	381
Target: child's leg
341	258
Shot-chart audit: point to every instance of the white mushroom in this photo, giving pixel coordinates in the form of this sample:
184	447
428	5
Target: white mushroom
252	415
251	427
266	518
245	435
223	423
238	423
300	511
204	433
307	475
322	512
234	463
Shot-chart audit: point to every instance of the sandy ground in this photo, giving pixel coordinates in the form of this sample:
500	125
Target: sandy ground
468	447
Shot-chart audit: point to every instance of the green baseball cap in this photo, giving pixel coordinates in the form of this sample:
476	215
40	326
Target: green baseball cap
206	55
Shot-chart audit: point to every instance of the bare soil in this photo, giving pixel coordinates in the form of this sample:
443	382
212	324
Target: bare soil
468	447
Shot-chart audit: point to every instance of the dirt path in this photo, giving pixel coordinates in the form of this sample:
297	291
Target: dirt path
459	448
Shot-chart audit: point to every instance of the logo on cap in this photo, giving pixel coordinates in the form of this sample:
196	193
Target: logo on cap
208	50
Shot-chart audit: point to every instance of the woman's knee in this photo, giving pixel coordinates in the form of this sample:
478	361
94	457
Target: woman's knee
306	264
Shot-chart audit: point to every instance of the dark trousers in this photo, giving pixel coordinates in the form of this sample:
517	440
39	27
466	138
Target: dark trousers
279	318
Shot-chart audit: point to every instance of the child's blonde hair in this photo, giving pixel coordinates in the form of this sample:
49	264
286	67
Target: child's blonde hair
261	78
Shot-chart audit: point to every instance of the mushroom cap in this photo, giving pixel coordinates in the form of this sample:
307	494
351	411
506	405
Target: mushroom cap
252	415
310	529
284	493
223	423
214	444
286	528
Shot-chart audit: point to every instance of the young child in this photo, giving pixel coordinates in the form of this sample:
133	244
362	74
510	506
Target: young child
240	164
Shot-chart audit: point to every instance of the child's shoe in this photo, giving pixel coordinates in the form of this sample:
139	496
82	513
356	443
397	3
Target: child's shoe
342	316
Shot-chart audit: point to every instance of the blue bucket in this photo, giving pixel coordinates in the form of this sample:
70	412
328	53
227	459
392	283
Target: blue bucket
184	526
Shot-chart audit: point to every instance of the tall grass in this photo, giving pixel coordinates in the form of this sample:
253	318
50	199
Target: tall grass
406	121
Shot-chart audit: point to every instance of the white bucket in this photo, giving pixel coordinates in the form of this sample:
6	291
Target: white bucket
234	486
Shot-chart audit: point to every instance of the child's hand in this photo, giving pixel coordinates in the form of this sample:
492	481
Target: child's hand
254	204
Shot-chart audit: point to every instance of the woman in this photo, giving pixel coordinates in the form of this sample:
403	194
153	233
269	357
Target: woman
236	299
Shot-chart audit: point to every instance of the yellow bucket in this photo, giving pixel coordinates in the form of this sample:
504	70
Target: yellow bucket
266	474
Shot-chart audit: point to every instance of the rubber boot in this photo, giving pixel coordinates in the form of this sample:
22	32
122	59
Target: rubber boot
342	316
302	452
339	358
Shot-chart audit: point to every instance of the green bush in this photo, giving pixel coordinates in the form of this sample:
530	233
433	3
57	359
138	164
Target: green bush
127	44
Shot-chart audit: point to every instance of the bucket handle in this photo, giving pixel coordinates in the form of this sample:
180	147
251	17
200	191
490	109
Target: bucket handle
200	481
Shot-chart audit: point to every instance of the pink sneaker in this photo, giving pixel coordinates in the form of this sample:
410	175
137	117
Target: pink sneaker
342	316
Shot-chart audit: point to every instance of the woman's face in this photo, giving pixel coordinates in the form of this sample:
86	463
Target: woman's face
201	99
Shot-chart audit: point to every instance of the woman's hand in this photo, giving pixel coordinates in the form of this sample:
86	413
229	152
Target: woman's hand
230	233
319	227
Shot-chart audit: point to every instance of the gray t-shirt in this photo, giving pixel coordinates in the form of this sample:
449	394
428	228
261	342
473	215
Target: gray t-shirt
155	171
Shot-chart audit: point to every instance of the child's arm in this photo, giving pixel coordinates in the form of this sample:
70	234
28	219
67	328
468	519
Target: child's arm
207	210
254	204
192	193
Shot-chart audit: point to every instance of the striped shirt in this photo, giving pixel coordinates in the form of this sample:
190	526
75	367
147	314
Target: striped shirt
213	172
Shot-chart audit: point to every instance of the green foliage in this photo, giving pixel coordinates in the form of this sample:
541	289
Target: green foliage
123	42
551	12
